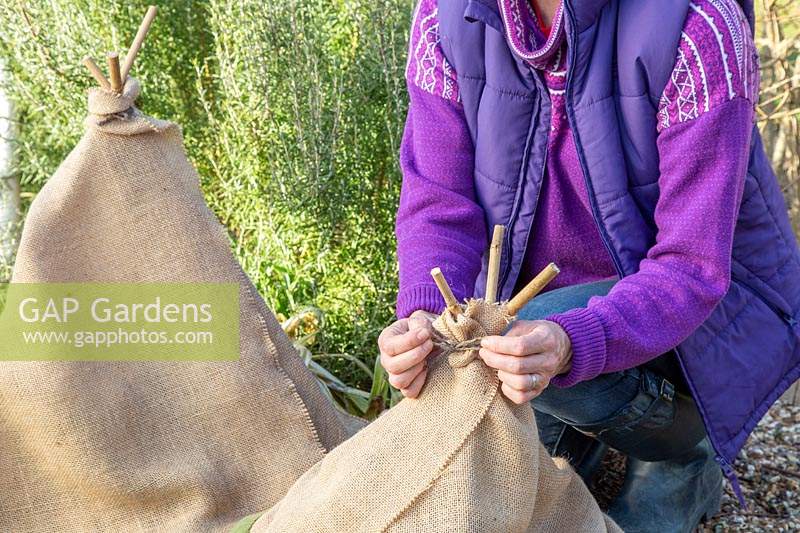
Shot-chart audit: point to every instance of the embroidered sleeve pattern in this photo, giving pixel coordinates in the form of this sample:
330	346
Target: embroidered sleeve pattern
716	62
428	68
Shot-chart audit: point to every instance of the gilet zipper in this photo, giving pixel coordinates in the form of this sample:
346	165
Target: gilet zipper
786	317
573	54
535	119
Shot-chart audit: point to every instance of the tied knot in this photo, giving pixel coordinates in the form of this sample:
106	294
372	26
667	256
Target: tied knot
104	102
459	336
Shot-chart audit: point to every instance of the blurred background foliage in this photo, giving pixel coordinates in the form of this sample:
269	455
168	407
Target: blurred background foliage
778	41
292	112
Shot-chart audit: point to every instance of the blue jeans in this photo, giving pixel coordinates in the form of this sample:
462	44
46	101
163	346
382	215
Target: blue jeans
645	412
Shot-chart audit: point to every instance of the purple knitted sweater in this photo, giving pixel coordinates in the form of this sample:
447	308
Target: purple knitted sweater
705	119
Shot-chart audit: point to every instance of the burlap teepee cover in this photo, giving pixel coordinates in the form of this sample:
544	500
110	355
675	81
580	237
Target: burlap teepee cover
460	458
148	445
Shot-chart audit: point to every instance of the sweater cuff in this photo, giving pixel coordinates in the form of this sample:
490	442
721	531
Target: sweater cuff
588	339
419	297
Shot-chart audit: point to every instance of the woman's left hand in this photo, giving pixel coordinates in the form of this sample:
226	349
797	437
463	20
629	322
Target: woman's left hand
528	357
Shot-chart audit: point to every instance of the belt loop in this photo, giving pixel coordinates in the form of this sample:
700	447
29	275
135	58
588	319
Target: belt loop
667	390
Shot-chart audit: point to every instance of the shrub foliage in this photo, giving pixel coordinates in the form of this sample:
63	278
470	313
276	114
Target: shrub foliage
292	111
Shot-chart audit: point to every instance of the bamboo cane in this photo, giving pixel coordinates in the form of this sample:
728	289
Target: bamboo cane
136	45
495	254
96	72
447	293
533	288
114	73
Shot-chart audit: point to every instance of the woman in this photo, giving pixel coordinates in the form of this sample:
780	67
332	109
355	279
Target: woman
615	138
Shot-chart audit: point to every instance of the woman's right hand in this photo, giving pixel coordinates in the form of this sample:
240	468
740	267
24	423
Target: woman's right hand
405	347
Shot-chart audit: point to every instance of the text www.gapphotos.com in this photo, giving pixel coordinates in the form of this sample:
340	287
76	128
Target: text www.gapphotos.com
81	339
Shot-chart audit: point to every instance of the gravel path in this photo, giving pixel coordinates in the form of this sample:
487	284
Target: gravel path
769	474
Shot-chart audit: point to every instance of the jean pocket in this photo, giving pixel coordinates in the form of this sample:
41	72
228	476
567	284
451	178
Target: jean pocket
644	426
657	414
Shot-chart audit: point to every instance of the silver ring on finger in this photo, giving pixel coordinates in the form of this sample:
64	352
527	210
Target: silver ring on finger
534	381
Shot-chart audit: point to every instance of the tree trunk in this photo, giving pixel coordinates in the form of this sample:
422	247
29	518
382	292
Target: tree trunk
9	185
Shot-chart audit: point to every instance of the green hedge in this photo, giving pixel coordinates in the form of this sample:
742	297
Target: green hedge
292	111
